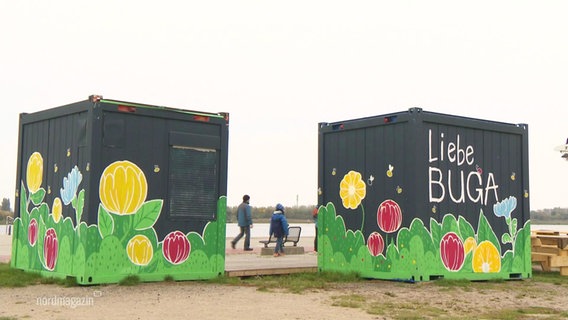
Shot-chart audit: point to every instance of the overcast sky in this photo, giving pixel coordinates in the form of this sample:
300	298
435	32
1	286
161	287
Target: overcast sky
281	67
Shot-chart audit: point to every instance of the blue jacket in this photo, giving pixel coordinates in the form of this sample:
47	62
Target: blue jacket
244	215
278	224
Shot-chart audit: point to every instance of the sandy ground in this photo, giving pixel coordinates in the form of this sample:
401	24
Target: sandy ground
369	299
200	300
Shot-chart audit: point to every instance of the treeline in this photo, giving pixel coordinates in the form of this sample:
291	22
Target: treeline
550	216
304	214
4	215
263	214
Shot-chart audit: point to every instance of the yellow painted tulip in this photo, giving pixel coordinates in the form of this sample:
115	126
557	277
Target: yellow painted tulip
57	209
34	173
139	250
123	187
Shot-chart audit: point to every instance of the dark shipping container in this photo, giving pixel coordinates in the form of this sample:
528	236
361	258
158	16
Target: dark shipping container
418	195
108	189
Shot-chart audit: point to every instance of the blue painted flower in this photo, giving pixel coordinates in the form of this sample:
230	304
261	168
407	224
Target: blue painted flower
505	207
70	185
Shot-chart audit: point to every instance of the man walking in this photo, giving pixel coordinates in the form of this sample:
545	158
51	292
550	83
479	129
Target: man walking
244	217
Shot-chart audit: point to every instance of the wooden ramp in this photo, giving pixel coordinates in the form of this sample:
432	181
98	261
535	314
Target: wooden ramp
254	264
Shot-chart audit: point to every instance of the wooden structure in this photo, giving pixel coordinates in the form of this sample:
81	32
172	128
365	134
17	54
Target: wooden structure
253	264
550	249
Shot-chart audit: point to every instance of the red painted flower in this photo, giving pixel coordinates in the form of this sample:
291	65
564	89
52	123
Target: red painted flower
452	251
176	247
389	216
32	232
50	249
375	244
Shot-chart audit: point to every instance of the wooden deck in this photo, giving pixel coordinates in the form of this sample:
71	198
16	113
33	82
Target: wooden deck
247	265
256	264
239	263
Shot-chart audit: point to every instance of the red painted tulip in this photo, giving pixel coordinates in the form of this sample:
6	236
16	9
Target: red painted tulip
375	244
452	251
389	216
50	249
32	232
176	247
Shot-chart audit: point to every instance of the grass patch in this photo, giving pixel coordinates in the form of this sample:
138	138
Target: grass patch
550	277
294	283
526	313
223	279
349	301
131	280
445	283
13	278
402	310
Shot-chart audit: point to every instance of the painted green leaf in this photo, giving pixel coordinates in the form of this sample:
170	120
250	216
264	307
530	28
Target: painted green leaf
147	215
105	221
507	262
465	228
523	245
34	214
40	237
37	197
78	204
467	264
506	238
122	224
514	224
24	214
44	213
436	230
449	224
485	232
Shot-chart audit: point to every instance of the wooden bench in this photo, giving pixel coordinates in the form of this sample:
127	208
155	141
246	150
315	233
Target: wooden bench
293	236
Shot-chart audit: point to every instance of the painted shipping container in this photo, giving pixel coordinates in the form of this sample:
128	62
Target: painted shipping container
418	195
108	189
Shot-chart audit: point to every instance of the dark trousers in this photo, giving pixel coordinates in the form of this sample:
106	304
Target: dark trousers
316	241
246	232
279	245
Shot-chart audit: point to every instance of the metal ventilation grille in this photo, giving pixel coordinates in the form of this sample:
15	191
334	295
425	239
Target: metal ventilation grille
193	182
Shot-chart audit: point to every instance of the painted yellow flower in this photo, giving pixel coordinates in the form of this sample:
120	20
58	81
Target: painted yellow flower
469	244
123	187
34	173
139	250
352	190
56	209
486	258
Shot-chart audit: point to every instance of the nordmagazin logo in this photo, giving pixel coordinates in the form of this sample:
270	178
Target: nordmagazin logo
66	301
